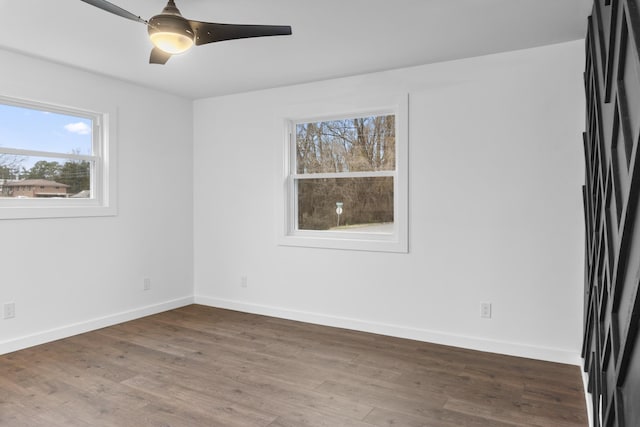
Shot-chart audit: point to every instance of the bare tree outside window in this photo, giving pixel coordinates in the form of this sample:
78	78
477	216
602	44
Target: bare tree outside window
10	166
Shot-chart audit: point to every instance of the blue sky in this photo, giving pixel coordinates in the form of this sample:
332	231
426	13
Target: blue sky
43	131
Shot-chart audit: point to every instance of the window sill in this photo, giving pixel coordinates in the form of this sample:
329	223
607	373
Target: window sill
38	209
369	242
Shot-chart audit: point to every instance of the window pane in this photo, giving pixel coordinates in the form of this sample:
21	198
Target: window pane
33	177
39	130
349	145
366	204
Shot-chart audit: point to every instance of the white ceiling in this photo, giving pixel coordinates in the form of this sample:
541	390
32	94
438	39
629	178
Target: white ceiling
331	38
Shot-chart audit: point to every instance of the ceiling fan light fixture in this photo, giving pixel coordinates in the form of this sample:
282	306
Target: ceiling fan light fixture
172	43
171	33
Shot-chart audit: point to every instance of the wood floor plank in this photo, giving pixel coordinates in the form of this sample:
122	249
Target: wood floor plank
202	366
385	417
310	418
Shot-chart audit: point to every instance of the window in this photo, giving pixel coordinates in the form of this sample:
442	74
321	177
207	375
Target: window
54	161
345	176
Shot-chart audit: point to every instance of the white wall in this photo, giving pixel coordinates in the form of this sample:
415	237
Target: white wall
70	275
495	209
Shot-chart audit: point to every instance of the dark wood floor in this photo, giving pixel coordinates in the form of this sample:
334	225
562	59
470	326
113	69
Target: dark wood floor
200	366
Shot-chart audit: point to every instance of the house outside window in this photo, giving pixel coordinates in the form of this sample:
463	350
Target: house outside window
33	188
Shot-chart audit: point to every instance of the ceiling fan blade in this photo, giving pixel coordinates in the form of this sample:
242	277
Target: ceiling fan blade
159	56
116	10
209	32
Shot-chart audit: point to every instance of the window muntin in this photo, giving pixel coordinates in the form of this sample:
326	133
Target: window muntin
346	177
65	150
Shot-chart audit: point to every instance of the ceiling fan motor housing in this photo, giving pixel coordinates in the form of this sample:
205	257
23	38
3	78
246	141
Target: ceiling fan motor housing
169	31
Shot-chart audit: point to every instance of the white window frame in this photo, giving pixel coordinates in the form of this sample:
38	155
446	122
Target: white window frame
103	180
343	108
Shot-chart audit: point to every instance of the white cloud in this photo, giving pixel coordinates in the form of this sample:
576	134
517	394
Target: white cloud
80	128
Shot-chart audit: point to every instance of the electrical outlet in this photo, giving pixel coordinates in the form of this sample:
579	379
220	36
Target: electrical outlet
243	281
147	284
10	310
485	310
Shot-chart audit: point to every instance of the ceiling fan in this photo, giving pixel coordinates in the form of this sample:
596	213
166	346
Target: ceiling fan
171	34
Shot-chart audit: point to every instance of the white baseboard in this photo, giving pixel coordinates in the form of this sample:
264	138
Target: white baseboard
436	337
474	343
20	343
